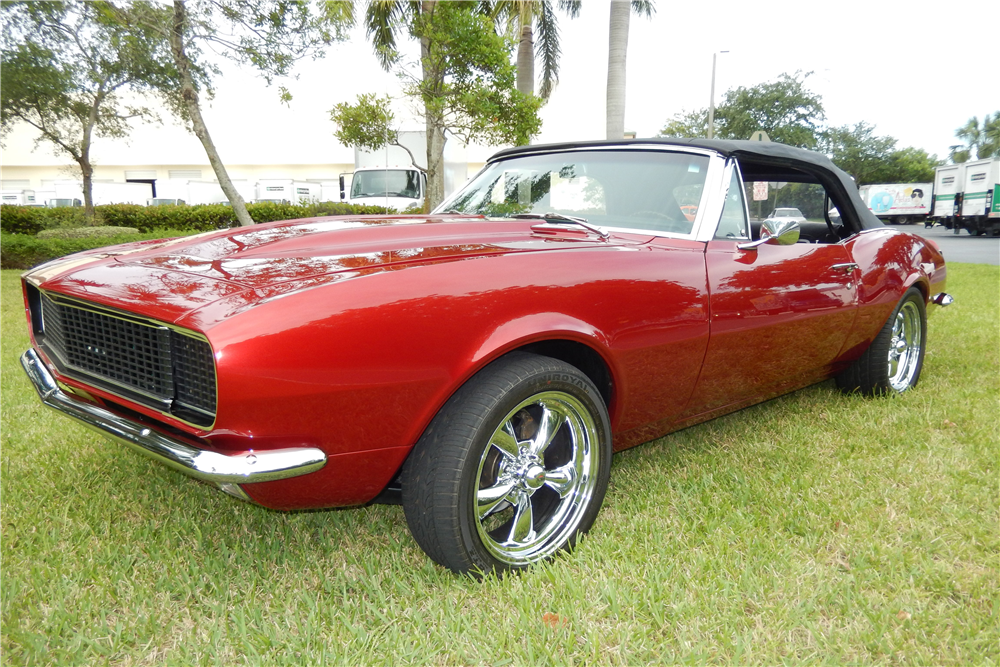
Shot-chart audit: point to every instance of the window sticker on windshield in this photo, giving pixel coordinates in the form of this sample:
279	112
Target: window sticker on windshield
694	168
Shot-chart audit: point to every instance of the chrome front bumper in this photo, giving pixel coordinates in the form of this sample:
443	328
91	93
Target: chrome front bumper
207	466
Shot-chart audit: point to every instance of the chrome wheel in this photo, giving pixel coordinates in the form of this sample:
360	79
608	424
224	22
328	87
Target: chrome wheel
512	469
536	478
905	346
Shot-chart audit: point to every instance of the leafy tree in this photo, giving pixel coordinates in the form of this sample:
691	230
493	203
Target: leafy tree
872	159
66	66
369	124
466	81
528	18
621	12
981	139
911	165
687	125
991	136
268	35
859	152
788	111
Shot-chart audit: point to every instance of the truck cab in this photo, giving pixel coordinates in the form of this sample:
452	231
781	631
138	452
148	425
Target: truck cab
390	187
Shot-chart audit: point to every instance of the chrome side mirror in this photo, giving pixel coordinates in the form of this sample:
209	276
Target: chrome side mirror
775	231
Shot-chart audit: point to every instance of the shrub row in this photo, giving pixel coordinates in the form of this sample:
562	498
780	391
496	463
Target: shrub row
202	218
33	219
24	251
85	232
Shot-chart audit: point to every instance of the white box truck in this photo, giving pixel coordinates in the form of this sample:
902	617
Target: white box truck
947	184
390	177
288	191
898	203
978	210
170	191
329	190
965	196
103	193
18	197
121	193
205	192
66	191
195	192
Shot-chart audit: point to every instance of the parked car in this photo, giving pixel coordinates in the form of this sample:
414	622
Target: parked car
483	363
792	214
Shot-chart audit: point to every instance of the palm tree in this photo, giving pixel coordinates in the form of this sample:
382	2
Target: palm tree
972	135
982	140
383	20
621	11
529	17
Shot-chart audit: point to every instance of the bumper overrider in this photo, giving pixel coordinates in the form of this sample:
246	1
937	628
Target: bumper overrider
223	470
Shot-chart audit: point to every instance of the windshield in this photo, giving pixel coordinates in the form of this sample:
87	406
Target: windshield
386	183
649	190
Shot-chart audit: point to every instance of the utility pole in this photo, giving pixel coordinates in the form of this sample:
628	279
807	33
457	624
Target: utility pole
711	99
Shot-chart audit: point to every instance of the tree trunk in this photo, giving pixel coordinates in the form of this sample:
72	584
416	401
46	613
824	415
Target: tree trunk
83	159
621	11
435	161
433	120
87	172
526	58
190	97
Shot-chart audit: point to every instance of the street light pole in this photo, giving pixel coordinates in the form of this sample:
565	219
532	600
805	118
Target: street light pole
711	99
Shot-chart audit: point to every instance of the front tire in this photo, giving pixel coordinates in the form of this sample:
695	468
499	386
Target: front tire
513	469
892	363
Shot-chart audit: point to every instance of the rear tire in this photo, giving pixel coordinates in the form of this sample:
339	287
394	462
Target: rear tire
892	363
513	468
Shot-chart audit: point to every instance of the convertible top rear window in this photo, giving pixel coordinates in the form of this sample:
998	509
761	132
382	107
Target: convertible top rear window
650	190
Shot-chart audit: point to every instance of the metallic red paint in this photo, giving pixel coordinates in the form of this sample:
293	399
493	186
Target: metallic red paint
349	335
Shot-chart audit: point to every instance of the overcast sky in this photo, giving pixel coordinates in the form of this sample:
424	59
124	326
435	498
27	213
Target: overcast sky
899	66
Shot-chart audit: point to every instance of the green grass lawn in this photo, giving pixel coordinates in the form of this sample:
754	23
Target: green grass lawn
815	528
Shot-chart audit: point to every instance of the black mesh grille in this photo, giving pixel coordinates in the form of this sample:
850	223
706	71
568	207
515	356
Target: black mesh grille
155	365
194	372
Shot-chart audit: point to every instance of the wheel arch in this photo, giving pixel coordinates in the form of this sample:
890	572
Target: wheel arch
919	281
579	355
570	345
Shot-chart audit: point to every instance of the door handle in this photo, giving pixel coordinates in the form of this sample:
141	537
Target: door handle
847	267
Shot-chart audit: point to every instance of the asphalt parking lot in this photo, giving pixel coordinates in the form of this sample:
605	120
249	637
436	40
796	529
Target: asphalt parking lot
961	247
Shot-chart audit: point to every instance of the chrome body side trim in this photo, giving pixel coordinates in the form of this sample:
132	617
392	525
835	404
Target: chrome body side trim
718	191
201	464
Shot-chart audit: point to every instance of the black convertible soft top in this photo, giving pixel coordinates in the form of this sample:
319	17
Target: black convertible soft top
759	160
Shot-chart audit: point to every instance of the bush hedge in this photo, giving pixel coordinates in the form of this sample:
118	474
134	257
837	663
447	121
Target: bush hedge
33	219
20	248
85	232
201	218
24	251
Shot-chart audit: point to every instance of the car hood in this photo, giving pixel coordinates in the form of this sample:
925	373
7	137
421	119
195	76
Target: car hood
168	280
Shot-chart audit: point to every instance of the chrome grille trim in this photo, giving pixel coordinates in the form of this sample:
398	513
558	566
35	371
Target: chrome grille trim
164	367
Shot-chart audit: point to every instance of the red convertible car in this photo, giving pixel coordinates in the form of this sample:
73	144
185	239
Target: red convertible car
483	363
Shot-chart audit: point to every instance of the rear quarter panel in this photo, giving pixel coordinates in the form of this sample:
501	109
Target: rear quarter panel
889	263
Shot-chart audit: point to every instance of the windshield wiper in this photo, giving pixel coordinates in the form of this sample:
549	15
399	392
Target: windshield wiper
559	217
